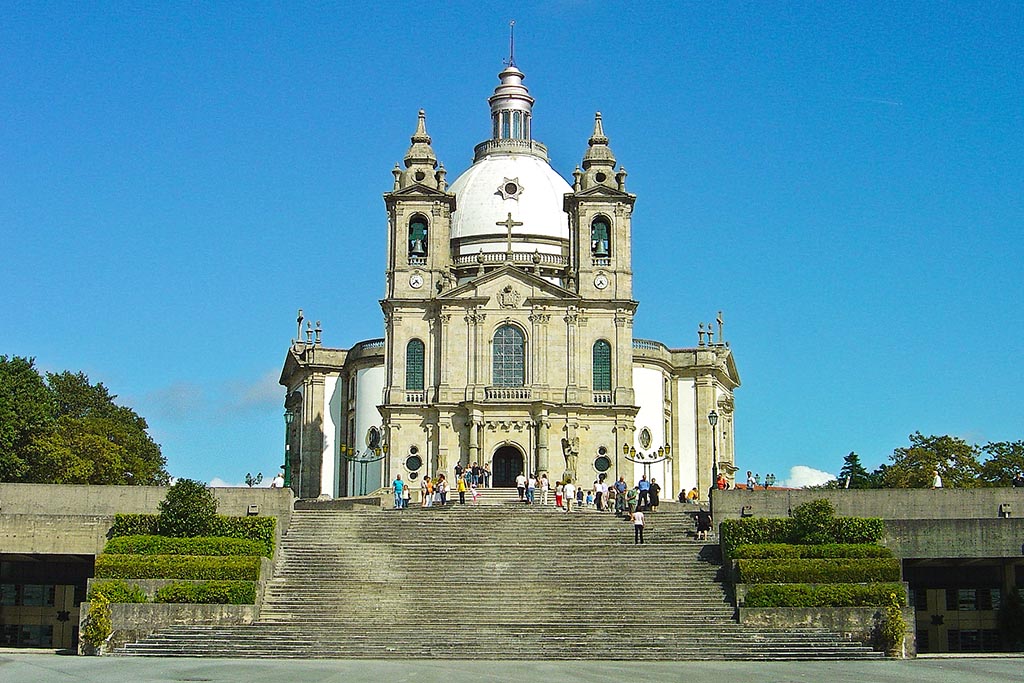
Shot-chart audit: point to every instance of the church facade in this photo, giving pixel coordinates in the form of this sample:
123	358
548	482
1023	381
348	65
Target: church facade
508	336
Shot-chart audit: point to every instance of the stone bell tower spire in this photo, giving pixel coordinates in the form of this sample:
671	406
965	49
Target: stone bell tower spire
420	161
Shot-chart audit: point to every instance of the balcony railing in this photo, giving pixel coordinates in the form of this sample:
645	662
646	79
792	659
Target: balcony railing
508	393
517	257
604	397
415	397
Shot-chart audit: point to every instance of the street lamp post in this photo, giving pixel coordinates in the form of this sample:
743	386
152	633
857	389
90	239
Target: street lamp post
713	421
289	417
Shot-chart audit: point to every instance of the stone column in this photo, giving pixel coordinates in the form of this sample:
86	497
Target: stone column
705	388
572	319
543	427
474	441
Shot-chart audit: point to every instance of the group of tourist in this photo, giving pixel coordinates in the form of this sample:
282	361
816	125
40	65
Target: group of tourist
618	497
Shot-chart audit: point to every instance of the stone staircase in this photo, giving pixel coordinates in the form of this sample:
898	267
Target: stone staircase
494	581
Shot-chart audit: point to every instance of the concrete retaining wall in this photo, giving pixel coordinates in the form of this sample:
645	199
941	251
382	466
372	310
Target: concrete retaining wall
74	519
135	621
857	623
885	503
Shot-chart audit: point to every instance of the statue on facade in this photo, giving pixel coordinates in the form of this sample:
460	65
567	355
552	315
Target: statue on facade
571	451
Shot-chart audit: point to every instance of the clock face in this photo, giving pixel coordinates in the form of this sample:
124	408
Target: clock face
601	281
416	281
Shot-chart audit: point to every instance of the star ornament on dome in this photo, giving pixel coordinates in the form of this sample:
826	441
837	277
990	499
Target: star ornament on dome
510	189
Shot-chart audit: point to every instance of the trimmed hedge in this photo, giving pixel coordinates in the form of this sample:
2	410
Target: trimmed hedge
116	591
135	525
242	568
764	551
196	545
209	593
252	528
761	530
818	570
828	595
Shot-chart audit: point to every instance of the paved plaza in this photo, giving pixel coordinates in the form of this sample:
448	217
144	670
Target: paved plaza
18	667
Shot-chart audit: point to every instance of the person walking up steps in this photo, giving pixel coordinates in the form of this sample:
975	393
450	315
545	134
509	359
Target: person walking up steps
521	486
638	528
569	495
460	486
544	486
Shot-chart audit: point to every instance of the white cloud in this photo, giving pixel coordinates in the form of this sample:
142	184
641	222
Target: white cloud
255	393
177	401
801	476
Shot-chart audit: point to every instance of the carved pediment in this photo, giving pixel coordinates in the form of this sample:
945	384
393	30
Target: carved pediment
508	287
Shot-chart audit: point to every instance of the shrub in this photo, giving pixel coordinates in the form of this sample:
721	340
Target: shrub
812	522
783	530
857	529
177	567
209	593
253	528
98	623
188	510
116	591
737	532
893	628
763	551
134	525
197	545
826	595
844	570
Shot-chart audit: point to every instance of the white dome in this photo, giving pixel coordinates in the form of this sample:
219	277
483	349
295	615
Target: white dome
500	184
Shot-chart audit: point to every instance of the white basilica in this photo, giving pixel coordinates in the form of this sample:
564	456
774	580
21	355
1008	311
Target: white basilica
508	336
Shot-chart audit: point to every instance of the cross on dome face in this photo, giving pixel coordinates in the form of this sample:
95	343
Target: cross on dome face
509	224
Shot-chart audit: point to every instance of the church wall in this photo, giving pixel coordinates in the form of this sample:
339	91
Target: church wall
332	435
649	388
685	451
369	391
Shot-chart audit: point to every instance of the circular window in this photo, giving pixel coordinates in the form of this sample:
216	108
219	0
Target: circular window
600	177
511	188
601	450
645	438
413	450
602	463
413	463
373	438
413	475
420	175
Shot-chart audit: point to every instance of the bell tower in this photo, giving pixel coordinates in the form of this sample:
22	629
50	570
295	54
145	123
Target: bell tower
419	223
600	214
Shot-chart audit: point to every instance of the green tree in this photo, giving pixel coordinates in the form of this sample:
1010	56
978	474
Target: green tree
188	510
67	430
1005	460
859	477
955	460
26	409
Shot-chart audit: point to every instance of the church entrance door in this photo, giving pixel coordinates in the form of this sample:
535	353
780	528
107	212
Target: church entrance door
506	466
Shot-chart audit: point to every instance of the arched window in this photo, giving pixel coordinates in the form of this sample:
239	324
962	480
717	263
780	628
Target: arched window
509	357
417	236
414	365
600	239
517	125
602	365
505	124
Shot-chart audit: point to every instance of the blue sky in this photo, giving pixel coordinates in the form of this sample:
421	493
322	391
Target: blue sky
843	180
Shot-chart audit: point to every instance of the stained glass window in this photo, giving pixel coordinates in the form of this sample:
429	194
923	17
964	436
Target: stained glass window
414	365
602	365
509	357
